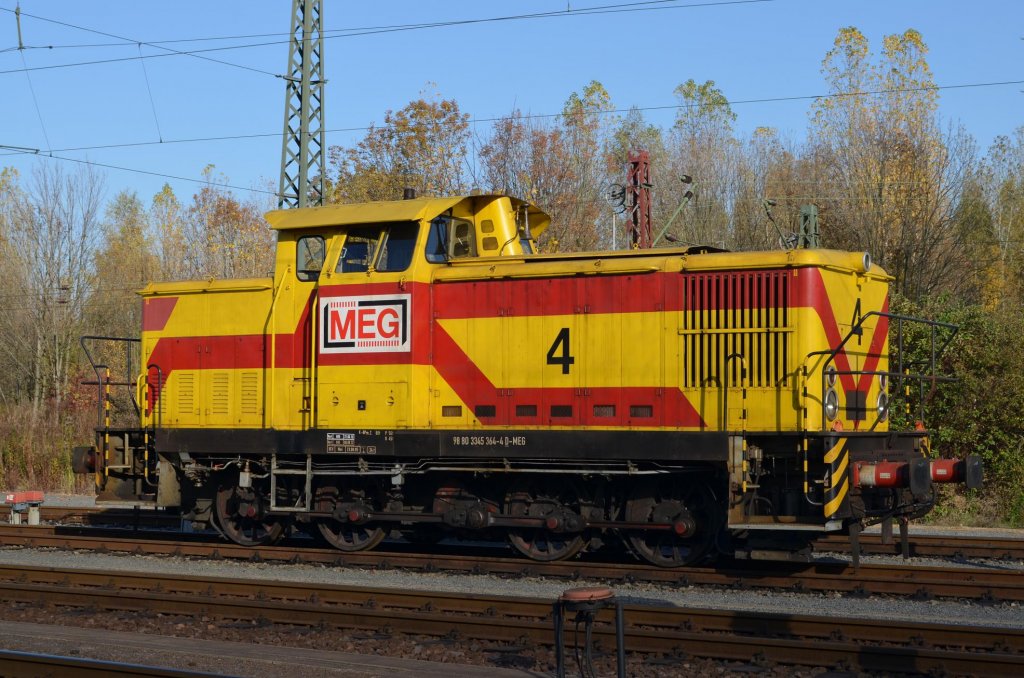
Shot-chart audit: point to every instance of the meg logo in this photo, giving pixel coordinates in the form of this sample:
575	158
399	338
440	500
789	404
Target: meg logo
368	324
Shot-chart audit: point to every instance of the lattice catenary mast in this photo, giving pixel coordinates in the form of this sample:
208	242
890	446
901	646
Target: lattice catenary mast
302	145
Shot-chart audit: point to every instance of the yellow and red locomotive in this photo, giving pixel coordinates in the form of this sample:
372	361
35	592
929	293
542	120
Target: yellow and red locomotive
415	366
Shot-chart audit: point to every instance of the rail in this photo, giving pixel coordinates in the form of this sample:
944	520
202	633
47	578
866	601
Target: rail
976	583
814	640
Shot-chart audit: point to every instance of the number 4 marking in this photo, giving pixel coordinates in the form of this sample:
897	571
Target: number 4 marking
564	359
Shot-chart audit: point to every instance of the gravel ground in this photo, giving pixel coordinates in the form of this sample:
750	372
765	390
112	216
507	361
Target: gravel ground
967	612
153	647
134	635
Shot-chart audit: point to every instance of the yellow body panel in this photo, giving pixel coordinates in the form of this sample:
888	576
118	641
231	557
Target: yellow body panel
258	362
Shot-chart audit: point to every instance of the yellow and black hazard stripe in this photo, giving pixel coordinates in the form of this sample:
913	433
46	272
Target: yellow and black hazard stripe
837	480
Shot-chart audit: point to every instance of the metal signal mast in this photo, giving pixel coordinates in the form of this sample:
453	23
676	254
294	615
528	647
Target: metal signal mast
302	145
638	224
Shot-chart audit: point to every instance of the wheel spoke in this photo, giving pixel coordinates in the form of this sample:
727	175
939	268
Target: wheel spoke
346	535
350	537
673	503
246	530
542	498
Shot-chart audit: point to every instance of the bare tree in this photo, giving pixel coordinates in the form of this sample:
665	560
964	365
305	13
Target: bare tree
53	228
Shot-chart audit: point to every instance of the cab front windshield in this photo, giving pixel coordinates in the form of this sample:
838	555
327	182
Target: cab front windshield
384	248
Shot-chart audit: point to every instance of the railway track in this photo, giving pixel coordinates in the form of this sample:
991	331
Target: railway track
921	582
921	545
30	664
669	632
958	547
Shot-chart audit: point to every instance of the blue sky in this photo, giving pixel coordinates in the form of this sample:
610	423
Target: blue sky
752	50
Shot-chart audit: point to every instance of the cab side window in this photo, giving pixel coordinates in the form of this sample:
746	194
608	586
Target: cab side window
450	238
399	245
437	240
310	251
360	247
463	243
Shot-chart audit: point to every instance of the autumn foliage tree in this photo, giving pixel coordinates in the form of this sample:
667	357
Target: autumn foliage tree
48	233
528	159
894	175
1001	188
422	146
225	237
557	165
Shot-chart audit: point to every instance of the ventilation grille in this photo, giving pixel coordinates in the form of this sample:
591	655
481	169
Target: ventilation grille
186	392
250	393
641	411
736	313
220	392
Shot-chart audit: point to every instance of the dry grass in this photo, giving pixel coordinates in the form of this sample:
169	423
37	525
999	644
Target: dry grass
995	505
37	455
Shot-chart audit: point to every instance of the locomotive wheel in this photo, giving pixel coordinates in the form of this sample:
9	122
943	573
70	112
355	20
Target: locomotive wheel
543	498
346	535
238	515
350	536
672	501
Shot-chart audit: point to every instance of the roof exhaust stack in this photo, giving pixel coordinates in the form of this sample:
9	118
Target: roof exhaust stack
408	193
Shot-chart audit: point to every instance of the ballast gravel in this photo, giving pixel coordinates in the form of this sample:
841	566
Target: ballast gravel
531	661
785	602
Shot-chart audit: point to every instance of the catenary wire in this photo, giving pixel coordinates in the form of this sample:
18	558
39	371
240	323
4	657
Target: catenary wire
539	116
135	170
341	32
598	9
35	101
169	51
149	89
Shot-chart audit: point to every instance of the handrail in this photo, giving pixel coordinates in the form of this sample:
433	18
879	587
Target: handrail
901	374
743	392
314	314
97	367
269	331
160	394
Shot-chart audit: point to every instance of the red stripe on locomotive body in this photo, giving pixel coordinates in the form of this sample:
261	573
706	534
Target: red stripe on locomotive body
293	349
812	293
430	344
156	312
874	355
816	296
474	388
333	291
626	293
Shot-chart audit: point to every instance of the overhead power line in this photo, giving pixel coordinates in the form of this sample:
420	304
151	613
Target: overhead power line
619	8
135	170
35	100
129	41
537	116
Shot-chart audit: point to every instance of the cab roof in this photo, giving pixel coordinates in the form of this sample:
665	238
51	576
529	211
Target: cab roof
416	209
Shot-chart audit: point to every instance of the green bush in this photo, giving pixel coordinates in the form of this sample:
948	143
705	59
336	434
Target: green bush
979	413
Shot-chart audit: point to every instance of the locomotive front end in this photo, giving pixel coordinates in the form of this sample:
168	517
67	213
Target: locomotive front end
863	453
